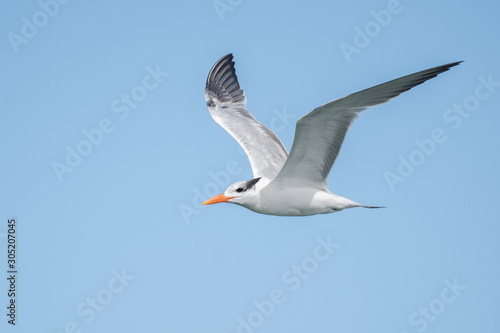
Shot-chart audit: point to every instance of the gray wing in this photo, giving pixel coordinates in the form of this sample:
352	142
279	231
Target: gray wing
320	133
226	103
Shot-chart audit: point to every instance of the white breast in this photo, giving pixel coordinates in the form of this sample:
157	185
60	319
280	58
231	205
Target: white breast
298	201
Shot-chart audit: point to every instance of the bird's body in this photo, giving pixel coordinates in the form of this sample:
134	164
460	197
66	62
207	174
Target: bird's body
300	201
293	184
268	198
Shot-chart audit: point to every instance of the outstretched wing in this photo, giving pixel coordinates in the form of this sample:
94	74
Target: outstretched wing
320	133
226	102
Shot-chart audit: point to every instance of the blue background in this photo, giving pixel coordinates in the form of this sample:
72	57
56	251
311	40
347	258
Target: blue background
131	206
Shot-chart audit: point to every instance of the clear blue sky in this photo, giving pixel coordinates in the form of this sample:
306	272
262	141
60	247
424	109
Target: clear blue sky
108	149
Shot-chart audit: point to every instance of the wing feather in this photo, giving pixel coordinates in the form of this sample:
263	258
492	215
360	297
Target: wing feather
320	133
226	103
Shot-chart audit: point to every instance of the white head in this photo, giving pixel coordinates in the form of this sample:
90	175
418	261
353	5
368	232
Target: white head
242	193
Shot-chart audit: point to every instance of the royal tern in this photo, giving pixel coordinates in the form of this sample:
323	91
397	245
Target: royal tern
295	184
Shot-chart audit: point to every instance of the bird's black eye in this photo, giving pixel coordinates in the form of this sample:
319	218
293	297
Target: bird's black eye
239	189
210	103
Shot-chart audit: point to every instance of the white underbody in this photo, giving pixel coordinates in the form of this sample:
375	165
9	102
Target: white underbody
294	201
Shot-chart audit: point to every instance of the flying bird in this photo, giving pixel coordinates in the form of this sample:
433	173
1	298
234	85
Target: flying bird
293	184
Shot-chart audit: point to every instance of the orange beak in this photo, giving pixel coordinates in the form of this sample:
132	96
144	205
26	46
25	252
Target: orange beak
217	199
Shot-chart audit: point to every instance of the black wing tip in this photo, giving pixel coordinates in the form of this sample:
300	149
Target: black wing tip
222	80
452	64
228	56
456	63
446	67
225	62
423	76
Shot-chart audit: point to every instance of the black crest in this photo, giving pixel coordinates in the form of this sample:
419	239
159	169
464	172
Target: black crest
248	184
